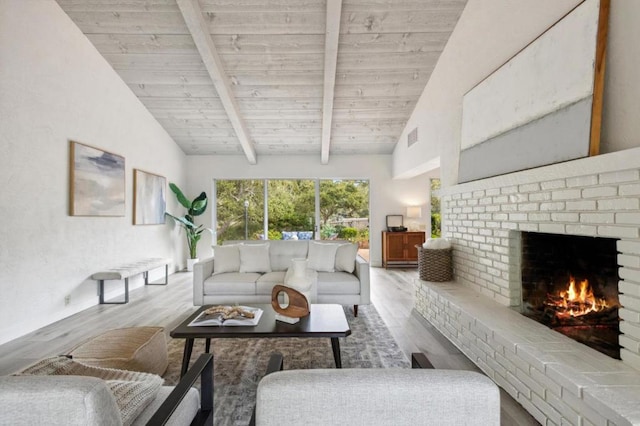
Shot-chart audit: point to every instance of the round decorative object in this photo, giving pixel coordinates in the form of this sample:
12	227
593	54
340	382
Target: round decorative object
298	305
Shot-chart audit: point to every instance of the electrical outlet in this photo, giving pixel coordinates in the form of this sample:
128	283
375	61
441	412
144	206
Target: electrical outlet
67	299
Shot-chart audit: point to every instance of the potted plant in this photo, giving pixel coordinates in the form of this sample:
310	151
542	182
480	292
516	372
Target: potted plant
192	231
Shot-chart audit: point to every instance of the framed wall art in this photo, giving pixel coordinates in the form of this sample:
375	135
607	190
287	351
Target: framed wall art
149	198
97	182
544	105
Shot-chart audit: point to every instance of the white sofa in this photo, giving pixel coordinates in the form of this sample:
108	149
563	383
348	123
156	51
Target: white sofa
246	271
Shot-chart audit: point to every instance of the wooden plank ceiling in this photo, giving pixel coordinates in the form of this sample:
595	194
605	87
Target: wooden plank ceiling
273	72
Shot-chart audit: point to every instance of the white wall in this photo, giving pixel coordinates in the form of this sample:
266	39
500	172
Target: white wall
620	124
55	87
387	196
487	35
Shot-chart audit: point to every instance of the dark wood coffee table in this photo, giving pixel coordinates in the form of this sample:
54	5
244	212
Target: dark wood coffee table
323	321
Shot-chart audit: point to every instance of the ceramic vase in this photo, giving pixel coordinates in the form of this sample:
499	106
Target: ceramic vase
190	263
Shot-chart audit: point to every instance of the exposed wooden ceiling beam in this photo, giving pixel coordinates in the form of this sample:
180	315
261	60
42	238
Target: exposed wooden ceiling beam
192	14
334	10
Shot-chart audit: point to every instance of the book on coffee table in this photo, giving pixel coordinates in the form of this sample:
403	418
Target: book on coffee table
219	318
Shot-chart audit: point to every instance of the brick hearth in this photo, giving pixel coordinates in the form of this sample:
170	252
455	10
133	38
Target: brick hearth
556	379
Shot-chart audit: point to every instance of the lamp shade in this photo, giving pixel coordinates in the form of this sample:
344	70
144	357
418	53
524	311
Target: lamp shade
414	212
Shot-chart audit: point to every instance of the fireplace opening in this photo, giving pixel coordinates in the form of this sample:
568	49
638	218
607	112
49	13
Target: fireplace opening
570	284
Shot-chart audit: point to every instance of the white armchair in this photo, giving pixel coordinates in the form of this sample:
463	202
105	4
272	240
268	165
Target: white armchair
82	400
376	397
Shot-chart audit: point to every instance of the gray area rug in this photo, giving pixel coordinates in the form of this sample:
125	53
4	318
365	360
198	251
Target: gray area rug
239	364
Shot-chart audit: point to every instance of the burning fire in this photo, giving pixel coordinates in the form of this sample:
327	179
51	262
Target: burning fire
576	301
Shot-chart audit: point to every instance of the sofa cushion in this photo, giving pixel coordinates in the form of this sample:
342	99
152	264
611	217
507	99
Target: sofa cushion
338	283
322	256
132	391
231	283
346	257
227	258
254	258
266	282
281	253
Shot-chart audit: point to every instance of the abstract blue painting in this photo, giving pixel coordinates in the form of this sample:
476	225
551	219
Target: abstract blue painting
149	198
97	182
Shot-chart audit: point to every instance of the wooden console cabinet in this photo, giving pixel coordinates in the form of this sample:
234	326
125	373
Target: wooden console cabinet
399	249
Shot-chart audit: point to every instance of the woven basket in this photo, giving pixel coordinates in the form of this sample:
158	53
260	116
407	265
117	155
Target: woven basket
435	264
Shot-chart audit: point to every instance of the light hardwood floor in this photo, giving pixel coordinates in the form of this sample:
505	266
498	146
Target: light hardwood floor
167	306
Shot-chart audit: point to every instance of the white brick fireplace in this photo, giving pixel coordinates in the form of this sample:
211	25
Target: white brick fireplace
555	378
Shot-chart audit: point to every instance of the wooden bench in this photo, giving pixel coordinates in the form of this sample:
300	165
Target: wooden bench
128	270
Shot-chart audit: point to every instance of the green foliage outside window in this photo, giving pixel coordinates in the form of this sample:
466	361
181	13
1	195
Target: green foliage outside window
363	238
436	227
291	207
348	233
231	195
328	232
275	235
349	198
436	231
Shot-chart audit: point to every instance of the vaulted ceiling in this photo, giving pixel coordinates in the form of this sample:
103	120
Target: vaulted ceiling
326	77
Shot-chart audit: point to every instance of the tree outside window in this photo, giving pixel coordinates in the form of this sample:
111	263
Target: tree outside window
343	213
436	230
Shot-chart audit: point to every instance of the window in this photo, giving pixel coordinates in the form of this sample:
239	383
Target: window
239	209
291	209
435	209
344	210
294	209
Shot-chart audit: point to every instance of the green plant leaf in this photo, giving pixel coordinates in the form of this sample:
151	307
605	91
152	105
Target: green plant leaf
199	205
180	196
171	216
186	223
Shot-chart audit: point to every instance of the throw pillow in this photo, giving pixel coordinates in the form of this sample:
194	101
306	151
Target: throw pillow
346	257
132	391
322	257
255	258
226	258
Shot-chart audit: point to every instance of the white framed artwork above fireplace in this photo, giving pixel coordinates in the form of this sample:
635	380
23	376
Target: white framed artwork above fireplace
555	378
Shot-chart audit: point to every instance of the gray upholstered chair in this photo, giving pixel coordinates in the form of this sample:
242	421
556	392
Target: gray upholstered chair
376	397
83	400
